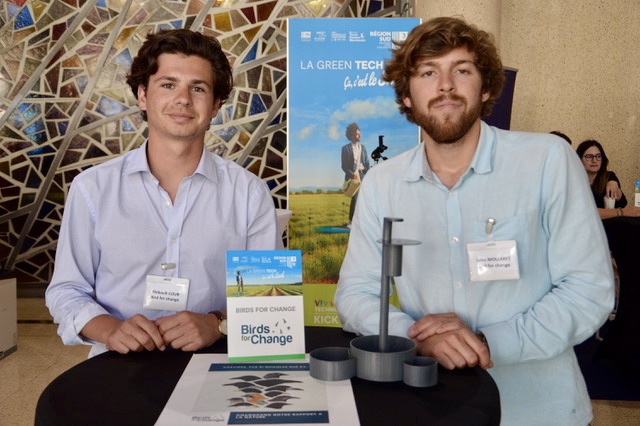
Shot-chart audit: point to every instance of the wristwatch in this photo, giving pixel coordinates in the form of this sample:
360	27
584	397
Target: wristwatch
222	322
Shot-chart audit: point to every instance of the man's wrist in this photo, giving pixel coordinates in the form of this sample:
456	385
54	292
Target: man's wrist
483	339
222	322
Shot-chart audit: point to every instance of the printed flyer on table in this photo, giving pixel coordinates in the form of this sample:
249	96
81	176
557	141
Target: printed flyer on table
212	391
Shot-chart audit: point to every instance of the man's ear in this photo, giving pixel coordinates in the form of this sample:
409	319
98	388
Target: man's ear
407	102
485	97
216	107
142	97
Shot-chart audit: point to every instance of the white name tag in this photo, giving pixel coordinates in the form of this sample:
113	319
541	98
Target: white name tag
166	293
493	260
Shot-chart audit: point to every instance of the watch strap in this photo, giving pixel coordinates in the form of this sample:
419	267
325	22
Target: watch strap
221	319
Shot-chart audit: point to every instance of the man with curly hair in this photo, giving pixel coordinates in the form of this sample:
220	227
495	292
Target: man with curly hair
513	268
355	162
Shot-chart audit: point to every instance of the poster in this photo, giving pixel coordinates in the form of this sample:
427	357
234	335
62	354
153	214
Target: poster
265	317
335	67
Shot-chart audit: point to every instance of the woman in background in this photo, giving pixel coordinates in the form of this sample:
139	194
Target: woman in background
604	183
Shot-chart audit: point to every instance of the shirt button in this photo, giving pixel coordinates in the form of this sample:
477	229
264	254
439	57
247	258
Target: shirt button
167	203
455	239
458	285
173	241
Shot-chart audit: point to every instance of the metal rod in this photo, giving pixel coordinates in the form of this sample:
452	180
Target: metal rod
385	284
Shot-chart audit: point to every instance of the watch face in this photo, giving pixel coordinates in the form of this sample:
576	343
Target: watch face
223	327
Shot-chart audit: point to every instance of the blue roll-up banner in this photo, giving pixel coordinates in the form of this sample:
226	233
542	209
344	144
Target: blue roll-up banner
334	79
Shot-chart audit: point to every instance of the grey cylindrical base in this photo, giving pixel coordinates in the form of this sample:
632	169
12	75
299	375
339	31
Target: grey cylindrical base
331	363
422	372
371	364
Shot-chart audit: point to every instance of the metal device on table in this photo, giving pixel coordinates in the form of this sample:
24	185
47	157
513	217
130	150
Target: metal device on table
380	358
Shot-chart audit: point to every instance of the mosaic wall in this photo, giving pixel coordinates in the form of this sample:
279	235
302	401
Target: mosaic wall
64	105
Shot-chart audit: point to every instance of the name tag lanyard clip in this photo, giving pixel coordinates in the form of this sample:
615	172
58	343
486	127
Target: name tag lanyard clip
168	269
488	229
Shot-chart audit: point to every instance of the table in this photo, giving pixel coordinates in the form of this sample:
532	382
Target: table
620	342
115	389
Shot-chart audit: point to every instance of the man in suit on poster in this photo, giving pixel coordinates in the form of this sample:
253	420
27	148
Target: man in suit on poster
355	162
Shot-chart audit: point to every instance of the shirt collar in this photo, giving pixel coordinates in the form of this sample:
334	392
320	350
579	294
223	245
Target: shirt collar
483	159
138	163
481	162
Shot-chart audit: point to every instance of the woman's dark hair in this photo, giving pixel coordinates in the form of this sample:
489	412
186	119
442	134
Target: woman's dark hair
599	184
438	37
186	42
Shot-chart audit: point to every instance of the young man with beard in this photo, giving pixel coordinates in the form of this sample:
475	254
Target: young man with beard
513	268
140	263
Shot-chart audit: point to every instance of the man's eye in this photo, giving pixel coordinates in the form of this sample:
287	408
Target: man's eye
167	85
428	73
198	89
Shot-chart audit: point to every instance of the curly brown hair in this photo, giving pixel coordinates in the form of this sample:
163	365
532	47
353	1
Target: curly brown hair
186	42
350	132
438	37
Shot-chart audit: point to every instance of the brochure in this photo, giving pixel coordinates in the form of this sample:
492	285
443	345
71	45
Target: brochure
265	310
213	391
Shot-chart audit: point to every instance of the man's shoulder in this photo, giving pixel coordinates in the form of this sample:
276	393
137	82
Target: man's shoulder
230	168
516	151
521	138
109	167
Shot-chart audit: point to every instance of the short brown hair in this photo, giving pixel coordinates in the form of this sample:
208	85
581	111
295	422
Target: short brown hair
189	43
437	37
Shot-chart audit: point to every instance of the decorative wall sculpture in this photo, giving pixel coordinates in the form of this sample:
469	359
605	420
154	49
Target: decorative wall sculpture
64	105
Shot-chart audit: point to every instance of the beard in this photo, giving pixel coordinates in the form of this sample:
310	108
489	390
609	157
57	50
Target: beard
451	128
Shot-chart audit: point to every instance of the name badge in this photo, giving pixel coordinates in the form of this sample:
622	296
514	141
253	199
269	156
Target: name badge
493	260
166	293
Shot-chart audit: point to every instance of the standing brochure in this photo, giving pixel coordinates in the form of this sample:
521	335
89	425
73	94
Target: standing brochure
265	312
212	391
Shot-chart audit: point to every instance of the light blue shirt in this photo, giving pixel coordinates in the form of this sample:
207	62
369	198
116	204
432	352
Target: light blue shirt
536	190
119	225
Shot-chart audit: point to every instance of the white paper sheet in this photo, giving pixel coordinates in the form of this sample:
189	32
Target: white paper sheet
213	391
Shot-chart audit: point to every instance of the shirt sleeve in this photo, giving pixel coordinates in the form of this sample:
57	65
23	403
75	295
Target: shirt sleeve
262	233
357	296
70	296
579	267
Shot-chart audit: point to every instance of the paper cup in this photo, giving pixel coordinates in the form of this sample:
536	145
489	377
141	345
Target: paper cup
609	203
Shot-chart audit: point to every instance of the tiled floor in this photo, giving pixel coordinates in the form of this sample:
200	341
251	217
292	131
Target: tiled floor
41	357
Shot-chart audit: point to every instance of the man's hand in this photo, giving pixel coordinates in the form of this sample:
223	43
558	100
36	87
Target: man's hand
133	335
447	338
456	349
430	325
189	331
